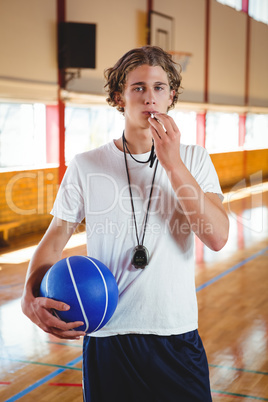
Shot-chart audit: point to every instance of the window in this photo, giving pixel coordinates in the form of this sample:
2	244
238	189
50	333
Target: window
89	127
186	122
22	135
222	132
237	4
258	9
23	131
256	131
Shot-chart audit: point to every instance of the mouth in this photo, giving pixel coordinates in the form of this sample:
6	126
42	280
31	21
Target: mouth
150	113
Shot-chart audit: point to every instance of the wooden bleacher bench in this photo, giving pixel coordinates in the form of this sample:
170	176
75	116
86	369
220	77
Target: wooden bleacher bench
5	226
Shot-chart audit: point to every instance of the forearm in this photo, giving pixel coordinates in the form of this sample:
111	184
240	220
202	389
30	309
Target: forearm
40	309
48	252
204	211
41	261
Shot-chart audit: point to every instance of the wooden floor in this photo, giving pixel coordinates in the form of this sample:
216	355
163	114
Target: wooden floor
232	294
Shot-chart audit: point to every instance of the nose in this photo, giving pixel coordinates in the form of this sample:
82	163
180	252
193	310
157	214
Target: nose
149	98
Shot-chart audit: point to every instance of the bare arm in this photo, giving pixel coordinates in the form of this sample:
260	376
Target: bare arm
40	309
204	211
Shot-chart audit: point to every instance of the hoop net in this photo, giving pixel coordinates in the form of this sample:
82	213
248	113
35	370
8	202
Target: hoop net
181	58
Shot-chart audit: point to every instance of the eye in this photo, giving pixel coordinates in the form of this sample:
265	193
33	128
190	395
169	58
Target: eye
158	88
138	89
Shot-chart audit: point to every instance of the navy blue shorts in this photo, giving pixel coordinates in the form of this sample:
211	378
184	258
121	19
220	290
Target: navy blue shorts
145	368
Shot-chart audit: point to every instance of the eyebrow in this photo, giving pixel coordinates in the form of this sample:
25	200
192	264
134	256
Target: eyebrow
144	83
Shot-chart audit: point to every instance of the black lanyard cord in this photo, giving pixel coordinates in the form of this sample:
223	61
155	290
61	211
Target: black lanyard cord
151	158
130	191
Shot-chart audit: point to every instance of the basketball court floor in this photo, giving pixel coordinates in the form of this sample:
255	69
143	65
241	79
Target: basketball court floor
232	295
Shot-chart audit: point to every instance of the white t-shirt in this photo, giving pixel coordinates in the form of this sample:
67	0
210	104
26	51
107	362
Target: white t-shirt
159	299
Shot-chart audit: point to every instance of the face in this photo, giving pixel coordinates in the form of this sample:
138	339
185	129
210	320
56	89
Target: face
146	91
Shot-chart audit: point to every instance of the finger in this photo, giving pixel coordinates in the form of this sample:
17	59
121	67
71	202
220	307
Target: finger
52	320
72	336
64	330
47	319
51	304
68	330
155	134
157	124
168	122
68	334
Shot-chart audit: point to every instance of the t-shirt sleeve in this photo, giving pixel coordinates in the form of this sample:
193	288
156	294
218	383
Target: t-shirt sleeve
205	173
69	203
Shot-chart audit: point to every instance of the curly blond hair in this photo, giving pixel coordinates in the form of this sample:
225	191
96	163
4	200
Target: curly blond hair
149	55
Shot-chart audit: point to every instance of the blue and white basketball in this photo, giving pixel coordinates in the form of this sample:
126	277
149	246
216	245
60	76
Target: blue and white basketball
87	286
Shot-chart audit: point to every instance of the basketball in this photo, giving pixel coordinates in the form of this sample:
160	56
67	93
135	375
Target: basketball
87	286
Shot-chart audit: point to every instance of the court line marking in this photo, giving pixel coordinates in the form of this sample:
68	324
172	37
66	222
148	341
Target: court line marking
225	393
239	369
63	384
213	280
80	369
42	381
42	364
232	269
65	344
211	365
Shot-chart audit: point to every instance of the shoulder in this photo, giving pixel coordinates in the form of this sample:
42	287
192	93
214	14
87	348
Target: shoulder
193	153
94	157
93	153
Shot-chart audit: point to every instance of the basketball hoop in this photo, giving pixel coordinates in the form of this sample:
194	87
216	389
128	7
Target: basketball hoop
182	58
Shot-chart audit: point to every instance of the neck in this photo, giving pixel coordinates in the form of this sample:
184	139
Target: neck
138	143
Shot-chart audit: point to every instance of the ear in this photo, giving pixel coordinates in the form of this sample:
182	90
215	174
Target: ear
172	94
119	99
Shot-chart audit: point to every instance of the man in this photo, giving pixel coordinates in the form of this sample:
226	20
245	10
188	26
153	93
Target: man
149	209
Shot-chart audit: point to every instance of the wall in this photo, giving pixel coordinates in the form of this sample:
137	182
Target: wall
121	25
227	55
28	68
241	166
27	197
28	42
258	64
189	35
28	71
